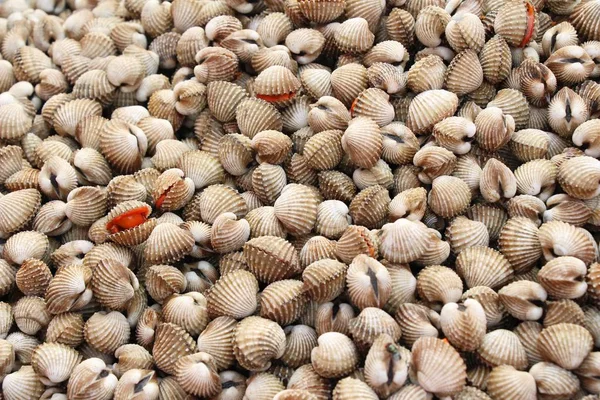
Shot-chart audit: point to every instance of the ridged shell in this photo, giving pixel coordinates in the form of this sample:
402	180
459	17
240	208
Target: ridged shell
106	332
483	266
54	362
335	356
216	340
233	295
171	343
256	342
432	374
271	258
566	345
162	281
167	243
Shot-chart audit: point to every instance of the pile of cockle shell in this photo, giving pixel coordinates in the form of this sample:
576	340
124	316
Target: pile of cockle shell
300	199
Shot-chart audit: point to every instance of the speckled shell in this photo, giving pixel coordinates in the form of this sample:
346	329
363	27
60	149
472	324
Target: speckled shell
517	23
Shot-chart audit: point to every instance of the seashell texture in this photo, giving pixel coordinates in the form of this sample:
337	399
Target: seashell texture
335	356
271	343
269	199
431	376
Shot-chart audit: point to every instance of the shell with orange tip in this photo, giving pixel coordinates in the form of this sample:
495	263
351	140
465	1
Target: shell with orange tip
374	104
517	23
276	85
172	190
356	240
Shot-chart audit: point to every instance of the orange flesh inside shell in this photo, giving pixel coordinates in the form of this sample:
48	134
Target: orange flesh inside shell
276	97
352	107
161	199
128	220
530	24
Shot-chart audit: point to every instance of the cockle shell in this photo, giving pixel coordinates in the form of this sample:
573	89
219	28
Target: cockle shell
54	362
271	258
171	343
566	345
373	292
283	301
335	356
426	353
270	336
505	382
234	295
